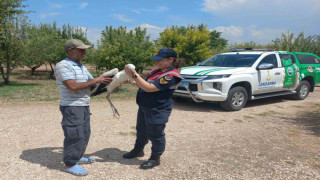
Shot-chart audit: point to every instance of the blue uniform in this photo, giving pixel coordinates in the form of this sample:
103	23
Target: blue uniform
155	109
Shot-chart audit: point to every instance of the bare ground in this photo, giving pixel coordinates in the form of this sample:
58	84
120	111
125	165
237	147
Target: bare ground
275	138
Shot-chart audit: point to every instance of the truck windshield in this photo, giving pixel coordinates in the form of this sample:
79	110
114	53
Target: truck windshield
231	60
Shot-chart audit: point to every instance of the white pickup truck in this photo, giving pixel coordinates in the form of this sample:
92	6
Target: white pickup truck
234	78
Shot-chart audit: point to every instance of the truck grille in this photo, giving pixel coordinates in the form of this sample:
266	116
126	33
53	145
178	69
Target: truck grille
192	87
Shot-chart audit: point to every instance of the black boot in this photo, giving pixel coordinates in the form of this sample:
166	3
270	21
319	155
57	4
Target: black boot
153	161
135	152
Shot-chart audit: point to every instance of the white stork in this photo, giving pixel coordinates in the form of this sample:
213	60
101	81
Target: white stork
117	79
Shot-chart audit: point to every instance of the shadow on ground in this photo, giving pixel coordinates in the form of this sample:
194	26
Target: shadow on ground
51	157
309	120
189	105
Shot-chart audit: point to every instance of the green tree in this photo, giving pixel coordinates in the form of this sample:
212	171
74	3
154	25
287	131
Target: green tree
195	46
171	38
300	43
119	47
217	43
12	36
193	43
45	44
36	42
250	44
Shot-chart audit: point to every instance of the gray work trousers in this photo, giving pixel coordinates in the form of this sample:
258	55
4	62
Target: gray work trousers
76	128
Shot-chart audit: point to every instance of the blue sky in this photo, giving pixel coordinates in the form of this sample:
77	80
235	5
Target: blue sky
239	20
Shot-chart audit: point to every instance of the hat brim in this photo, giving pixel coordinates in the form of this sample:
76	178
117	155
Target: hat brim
84	47
156	58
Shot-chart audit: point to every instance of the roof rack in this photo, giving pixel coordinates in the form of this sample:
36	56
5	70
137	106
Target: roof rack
252	49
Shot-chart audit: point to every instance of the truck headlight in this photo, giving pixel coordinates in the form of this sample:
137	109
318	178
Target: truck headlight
217	76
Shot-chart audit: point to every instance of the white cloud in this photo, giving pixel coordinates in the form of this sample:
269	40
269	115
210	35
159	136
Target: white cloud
45	15
121	17
162	9
265	35
83	5
136	11
158	9
237	34
214	5
231	31
93	35
54	5
315	5
153	31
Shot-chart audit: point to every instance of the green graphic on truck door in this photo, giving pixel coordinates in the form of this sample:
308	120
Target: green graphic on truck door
291	73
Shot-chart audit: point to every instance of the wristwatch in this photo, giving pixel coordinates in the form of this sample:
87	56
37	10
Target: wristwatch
135	76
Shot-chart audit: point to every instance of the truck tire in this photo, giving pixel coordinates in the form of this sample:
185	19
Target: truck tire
237	99
302	90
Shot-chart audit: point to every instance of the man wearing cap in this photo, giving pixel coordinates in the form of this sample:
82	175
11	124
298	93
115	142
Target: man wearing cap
74	82
155	105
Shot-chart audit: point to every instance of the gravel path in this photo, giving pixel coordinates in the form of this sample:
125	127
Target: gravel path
272	138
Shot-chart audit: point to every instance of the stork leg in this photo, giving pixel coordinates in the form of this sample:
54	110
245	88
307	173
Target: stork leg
114	109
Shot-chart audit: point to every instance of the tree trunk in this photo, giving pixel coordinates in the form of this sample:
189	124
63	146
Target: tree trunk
52	71
2	73
7	73
33	69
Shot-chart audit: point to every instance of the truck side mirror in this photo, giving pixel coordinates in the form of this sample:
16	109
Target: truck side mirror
265	66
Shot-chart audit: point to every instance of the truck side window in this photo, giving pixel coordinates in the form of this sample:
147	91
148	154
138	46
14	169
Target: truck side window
270	59
287	57
308	59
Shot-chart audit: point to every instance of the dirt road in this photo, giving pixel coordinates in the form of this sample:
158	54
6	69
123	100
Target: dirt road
273	138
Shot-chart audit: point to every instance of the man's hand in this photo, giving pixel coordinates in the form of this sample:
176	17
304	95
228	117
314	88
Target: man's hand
103	79
73	86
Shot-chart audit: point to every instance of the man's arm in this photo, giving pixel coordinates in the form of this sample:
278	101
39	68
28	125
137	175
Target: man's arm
73	86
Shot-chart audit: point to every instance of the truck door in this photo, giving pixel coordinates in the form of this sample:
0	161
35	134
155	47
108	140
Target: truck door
310	66
291	75
269	80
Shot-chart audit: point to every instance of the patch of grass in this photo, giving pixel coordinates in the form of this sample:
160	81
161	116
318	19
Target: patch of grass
133	127
293	132
290	162
199	121
24	87
281	107
316	166
29	90
317	105
219	122
248	117
123	133
267	113
133	133
297	106
238	120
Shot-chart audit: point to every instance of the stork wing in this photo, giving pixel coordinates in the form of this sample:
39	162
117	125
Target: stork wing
101	88
98	89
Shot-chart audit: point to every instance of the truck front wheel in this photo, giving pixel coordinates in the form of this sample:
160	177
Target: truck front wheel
302	90
237	99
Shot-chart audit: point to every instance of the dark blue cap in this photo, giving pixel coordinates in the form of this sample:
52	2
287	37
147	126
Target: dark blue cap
164	53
